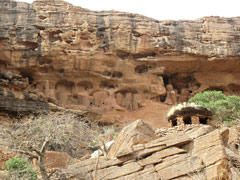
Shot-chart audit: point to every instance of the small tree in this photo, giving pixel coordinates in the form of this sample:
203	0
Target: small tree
55	131
225	108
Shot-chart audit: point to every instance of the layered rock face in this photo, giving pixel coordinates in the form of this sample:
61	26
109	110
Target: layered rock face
120	65
16	96
195	152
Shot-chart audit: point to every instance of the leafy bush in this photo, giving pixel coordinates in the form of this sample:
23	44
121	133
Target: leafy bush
19	168
225	109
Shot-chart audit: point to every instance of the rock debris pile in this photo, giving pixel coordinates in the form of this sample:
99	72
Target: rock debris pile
196	151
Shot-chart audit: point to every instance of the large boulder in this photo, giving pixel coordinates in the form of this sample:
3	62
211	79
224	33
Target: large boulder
55	160
137	132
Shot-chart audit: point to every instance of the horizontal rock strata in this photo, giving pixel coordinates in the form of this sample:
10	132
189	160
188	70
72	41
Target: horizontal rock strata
119	65
174	156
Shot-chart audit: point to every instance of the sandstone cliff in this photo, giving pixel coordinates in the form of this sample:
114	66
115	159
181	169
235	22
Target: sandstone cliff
120	65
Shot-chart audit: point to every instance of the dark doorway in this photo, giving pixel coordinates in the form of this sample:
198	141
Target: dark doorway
174	122
187	120
203	120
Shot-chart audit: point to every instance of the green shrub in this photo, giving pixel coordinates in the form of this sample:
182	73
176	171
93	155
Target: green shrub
19	168
226	109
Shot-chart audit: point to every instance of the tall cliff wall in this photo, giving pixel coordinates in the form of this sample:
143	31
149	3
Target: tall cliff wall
120	65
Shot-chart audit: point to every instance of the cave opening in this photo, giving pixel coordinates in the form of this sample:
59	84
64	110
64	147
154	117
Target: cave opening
107	73
118	74
61	71
184	81
165	80
236	146
111	87
54	35
215	89
141	69
144	55
162	98
27	75
122	55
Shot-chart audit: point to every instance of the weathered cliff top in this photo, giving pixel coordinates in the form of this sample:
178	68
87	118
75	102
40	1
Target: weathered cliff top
208	36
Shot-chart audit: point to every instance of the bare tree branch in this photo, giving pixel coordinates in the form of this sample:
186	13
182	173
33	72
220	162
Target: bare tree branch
104	147
35	150
52	173
44	145
26	153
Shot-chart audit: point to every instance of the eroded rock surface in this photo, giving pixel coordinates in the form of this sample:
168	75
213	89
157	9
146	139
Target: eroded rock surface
123	66
138	133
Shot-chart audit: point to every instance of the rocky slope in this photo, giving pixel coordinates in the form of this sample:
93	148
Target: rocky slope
189	152
120	65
